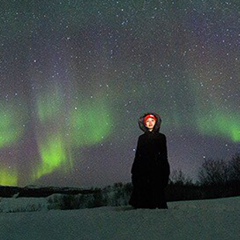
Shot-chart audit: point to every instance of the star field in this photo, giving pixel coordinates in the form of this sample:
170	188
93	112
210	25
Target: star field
75	76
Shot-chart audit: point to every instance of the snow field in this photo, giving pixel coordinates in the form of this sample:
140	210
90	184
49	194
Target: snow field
204	219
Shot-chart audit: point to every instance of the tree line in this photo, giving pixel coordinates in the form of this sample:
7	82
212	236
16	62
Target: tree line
216	178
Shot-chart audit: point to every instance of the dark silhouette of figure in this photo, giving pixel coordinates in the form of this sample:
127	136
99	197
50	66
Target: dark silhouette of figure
150	169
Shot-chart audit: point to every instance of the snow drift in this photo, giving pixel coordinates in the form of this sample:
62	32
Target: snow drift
201	219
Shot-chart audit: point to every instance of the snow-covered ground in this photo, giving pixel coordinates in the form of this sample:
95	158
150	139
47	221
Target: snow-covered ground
204	219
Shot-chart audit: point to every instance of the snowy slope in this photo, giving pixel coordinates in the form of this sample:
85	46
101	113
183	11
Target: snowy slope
204	219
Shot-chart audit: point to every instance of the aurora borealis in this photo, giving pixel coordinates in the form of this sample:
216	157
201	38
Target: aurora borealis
76	75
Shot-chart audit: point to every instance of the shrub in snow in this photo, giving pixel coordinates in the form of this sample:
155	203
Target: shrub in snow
116	195
64	201
23	204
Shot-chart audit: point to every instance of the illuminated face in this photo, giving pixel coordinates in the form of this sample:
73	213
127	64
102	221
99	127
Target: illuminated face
150	123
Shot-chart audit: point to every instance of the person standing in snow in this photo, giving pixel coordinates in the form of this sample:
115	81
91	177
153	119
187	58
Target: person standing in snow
150	170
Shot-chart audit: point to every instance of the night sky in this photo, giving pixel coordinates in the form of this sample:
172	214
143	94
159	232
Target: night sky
76	75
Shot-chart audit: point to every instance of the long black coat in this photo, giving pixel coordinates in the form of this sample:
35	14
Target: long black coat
150	169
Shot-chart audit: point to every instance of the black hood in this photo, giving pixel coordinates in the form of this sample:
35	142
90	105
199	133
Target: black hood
157	125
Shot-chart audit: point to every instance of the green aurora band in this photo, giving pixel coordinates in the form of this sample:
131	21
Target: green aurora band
12	120
211	118
8	177
91	124
50	105
220	125
11	125
53	154
86	125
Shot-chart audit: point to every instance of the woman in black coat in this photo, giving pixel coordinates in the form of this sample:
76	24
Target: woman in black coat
150	169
